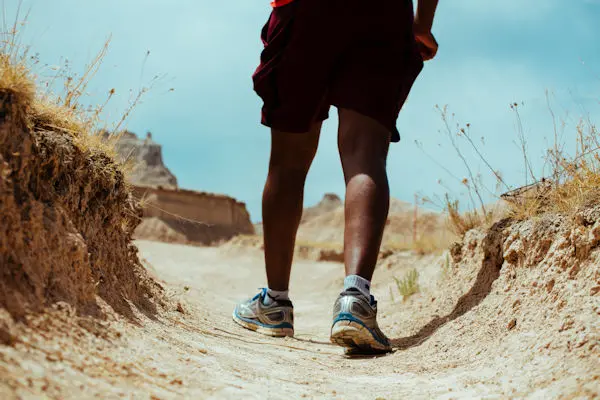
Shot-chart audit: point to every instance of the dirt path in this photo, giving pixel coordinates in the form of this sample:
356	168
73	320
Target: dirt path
239	362
201	353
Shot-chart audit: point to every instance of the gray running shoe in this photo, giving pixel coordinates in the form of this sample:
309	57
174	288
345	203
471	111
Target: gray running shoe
276	319
355	324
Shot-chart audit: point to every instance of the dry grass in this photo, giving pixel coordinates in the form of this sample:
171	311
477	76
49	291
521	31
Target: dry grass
62	110
462	222
14	79
575	179
433	242
43	110
480	213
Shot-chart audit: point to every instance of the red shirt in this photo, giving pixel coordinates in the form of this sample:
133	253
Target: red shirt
279	3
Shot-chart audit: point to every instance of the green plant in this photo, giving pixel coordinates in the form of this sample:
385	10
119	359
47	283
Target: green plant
446	267
409	284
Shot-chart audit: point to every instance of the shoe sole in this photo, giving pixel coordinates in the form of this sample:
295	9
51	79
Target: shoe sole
355	337
273	332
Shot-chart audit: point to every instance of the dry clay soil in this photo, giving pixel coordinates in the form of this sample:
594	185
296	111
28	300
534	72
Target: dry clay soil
195	350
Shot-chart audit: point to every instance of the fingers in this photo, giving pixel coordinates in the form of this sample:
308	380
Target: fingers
427	52
427	46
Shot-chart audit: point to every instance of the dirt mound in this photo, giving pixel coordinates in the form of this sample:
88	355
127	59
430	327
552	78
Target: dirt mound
519	293
67	216
328	203
325	225
302	251
321	232
177	230
399	206
158	230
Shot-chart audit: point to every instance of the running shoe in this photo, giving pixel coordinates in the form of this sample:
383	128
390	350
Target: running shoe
355	324
276	319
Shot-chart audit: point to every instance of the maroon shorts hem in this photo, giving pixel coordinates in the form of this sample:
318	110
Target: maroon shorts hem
291	127
389	125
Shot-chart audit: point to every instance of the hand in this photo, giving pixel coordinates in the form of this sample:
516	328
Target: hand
426	43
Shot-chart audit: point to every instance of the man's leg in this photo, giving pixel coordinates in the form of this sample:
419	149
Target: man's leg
363	144
291	157
271	312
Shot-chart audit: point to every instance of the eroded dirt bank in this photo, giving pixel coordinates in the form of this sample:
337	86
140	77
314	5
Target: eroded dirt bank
66	220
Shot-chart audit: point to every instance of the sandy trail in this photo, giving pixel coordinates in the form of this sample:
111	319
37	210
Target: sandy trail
201	353
240	362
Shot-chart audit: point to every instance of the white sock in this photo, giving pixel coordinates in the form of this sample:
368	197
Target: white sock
273	295
358	282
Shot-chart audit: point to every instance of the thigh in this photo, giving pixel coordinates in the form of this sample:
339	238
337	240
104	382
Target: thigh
294	150
361	138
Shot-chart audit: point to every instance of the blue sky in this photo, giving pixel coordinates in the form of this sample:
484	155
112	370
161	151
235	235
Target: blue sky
491	55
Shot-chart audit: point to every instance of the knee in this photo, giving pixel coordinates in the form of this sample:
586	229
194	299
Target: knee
292	154
358	150
292	159
289	170
361	139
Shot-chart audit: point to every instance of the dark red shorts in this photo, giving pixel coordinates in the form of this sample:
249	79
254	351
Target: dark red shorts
354	54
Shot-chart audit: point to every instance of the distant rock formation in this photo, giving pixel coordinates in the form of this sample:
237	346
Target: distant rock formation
328	203
145	155
320	235
171	214
189	217
324	224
